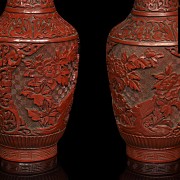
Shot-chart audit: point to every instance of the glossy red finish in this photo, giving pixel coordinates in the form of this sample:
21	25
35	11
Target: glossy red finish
38	74
143	66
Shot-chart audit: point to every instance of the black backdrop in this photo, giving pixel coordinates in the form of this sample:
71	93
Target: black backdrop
91	145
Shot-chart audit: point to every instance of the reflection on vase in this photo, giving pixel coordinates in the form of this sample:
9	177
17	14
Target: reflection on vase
56	174
129	175
28	168
154	169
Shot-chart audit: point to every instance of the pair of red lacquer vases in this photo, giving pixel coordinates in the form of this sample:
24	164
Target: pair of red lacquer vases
38	73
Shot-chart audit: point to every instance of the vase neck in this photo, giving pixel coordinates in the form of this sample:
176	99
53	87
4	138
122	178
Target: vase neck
30	6
156	5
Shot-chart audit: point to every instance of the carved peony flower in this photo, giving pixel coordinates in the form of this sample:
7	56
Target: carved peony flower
168	84
122	71
167	91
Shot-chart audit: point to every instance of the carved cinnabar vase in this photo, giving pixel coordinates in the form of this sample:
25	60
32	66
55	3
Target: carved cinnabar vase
144	73
38	74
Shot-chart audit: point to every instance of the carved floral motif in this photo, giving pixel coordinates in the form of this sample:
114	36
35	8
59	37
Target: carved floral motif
147	29
46	74
158	115
34	26
10	57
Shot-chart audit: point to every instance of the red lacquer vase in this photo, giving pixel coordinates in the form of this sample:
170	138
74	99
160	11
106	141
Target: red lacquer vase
144	73
38	73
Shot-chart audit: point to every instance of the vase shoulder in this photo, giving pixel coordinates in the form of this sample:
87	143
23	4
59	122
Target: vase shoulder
34	25
150	23
146	31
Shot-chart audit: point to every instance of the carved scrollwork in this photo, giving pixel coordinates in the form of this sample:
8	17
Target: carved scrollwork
30	3
156	5
148	30
34	26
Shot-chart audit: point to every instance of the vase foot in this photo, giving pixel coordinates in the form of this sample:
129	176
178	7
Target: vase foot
29	167
27	155
153	155
130	175
154	168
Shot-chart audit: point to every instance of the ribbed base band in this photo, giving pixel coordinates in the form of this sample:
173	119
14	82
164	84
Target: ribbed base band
27	155
154	169
153	155
28	168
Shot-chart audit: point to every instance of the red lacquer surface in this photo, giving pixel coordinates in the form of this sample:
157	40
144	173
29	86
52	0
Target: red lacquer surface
38	73
144	73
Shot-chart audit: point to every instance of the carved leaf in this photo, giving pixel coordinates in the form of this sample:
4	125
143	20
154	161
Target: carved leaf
168	70
38	99
160	76
65	72
159	55
141	63
62	80
34	83
53	114
157	85
134	85
34	114
52	85
44	90
27	93
130	66
29	73
134	76
71	55
124	57
133	58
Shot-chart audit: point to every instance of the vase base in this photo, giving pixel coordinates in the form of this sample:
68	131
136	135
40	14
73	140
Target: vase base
27	155
128	174
153	155
28	168
154	168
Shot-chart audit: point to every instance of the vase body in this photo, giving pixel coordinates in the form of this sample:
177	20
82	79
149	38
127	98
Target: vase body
144	73
38	73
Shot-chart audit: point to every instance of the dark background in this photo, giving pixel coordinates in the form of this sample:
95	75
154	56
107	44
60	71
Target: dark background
91	145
